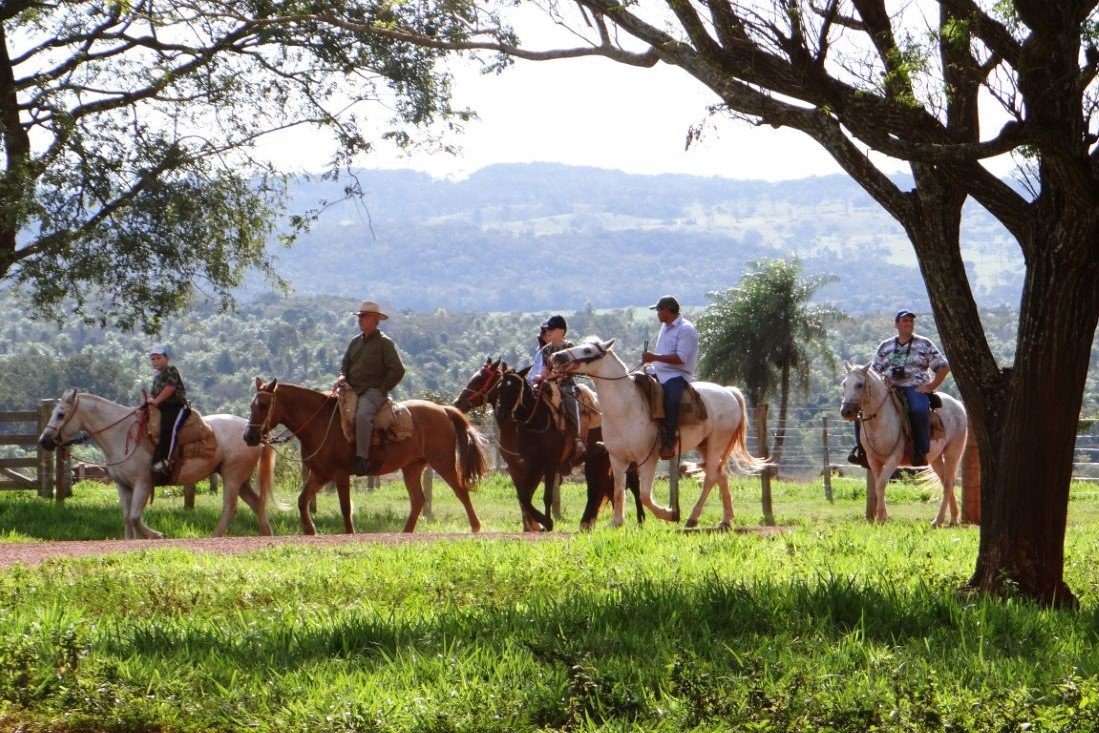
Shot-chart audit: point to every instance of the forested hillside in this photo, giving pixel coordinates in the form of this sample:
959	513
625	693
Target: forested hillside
548	237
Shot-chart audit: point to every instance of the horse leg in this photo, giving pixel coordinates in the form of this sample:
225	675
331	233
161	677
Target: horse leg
450	475
258	506
550	485
646	474
533	520
634	485
343	490
125	499
137	508
618	498
412	473
600	483
313	484
229	492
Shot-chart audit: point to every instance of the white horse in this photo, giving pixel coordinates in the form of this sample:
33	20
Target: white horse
866	398
119	430
630	435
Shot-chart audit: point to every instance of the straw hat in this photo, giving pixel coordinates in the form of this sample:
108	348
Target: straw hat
369	306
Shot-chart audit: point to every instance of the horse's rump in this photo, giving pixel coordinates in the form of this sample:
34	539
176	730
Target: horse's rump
692	410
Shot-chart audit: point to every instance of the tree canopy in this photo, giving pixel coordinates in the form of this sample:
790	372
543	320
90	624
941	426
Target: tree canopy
130	179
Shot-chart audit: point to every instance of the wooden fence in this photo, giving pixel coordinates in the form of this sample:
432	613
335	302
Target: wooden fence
51	477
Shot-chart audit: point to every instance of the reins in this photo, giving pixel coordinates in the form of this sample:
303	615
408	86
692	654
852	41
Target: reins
265	426
133	433
861	417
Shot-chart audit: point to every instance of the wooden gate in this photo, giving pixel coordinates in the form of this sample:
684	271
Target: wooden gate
51	475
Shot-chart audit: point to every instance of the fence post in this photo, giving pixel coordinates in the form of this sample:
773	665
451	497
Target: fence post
971	481
764	451
555	506
827	460
62	477
45	459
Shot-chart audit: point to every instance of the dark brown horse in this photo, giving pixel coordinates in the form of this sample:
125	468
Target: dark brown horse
483	388
443	438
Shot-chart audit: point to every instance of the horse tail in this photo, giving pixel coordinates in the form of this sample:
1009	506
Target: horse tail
266	474
472	449
737	448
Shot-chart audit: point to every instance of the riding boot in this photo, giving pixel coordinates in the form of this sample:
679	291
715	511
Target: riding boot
858	457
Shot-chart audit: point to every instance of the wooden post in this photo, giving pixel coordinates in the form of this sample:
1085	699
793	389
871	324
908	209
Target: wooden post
555	506
189	496
827	460
764	451
673	484
63	486
871	500
971	481
45	459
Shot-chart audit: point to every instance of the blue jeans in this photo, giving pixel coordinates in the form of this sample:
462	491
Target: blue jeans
673	395
919	406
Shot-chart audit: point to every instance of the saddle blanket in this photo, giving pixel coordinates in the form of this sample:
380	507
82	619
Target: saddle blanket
194	439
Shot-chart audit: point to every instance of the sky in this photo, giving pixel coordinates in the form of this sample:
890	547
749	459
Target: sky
596	112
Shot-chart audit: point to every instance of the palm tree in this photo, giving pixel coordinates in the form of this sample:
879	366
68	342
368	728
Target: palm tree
765	334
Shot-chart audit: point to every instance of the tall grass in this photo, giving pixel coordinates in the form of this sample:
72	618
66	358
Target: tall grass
832	625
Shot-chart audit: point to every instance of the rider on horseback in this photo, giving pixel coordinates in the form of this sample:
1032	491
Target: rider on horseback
911	364
553	336
673	364
169	395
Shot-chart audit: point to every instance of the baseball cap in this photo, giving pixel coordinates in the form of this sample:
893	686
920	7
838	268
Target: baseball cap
667	303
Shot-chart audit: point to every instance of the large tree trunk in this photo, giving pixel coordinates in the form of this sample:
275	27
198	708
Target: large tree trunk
1025	481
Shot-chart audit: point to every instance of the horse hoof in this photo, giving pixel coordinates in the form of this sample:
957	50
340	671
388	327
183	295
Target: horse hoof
725	527
691	523
674	516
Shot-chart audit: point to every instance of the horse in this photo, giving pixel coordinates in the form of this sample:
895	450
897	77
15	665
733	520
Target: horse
866	398
630	435
442	438
483	388
118	430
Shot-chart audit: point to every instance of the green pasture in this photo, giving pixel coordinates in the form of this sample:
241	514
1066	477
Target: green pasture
831	625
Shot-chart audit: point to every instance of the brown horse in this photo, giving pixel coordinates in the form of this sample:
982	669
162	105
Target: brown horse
443	438
483	388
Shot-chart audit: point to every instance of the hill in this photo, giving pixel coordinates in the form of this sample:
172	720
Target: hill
544	237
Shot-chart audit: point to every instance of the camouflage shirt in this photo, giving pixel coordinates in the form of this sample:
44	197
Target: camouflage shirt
170	376
918	358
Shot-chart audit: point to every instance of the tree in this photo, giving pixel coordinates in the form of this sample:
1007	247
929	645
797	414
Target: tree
916	85
765	333
130	182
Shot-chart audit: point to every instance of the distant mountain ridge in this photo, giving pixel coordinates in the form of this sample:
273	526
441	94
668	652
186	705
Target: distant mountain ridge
538	237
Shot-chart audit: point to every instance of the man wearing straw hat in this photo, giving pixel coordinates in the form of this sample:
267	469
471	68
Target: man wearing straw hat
371	366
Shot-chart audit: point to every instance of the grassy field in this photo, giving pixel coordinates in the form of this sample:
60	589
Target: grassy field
831	625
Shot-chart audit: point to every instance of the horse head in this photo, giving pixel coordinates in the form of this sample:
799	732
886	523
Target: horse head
514	395
53	435
859	383
577	358
259	413
482	386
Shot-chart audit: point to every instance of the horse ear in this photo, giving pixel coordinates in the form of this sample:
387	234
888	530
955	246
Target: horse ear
272	384
847	366
608	344
259	384
524	370
496	364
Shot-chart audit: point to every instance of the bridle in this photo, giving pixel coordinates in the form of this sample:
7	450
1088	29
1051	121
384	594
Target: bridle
492	375
265	427
133	433
862	417
599	354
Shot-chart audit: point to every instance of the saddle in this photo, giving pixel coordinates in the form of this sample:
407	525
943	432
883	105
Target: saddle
590	417
392	423
692	410
195	440
938	430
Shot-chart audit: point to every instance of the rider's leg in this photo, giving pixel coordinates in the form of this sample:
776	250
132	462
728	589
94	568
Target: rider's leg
919	406
673	396
369	402
168	414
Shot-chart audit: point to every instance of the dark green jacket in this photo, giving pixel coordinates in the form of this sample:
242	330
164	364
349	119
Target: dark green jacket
372	362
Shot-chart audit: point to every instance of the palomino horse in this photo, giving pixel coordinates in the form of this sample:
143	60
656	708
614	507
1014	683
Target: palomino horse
483	388
442	439
630	435
866	398
118	430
